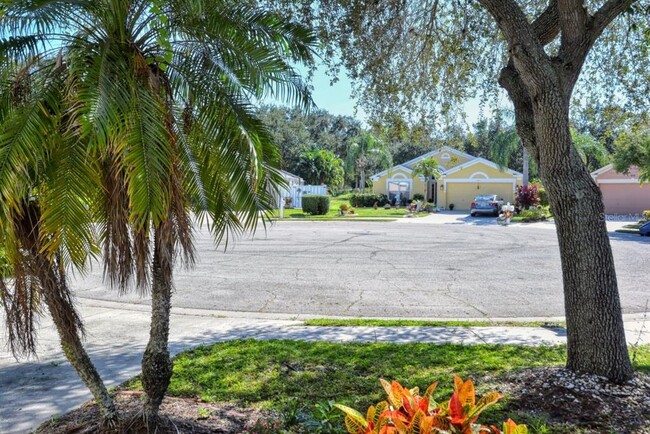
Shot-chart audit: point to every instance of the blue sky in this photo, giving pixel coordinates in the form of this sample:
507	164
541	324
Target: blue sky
337	99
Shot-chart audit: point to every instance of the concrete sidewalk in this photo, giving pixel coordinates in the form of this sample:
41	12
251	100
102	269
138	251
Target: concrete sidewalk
34	391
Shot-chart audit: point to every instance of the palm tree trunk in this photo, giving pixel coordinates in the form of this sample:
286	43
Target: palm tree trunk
362	176
66	320
156	362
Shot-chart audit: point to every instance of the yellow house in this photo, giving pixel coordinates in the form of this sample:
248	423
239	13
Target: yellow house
463	177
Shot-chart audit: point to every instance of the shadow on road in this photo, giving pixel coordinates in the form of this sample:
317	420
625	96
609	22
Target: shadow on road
633	238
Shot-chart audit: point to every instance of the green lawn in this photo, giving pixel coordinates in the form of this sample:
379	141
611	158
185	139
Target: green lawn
426	323
300	380
334	213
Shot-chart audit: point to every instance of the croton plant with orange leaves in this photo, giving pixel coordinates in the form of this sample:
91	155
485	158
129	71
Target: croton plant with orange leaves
405	411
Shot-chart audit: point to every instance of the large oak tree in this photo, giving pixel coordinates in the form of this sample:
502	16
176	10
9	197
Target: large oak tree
424	58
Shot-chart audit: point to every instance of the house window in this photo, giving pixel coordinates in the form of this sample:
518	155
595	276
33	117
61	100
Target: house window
399	190
445	156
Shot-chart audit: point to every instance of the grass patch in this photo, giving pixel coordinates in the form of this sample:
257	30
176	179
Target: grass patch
359	322
299	380
334	213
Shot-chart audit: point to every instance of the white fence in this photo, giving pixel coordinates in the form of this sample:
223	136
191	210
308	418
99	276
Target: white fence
296	193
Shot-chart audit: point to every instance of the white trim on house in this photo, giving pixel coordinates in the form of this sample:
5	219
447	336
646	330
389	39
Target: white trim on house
437	151
602	170
621	181
475	175
481	181
487	163
406	180
376	176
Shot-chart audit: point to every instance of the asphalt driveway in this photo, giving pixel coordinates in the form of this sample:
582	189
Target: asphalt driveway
449	266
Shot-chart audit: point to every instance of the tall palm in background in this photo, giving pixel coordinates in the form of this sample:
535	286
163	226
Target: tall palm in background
161	96
429	168
365	153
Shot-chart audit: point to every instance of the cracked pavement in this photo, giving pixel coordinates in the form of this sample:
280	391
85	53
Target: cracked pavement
429	269
389	269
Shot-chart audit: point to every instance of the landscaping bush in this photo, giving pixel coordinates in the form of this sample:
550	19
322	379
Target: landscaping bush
527	196
543	196
405	411
315	204
533	215
367	200
418	196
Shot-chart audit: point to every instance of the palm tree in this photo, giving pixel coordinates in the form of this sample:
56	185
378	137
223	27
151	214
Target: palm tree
45	223
592	151
163	98
366	152
427	167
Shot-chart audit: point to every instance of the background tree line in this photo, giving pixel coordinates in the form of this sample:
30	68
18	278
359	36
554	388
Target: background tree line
342	152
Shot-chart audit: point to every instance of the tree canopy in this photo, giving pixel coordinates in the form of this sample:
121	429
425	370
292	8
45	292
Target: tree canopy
423	59
633	149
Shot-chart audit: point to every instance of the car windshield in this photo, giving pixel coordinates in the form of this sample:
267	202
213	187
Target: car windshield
483	198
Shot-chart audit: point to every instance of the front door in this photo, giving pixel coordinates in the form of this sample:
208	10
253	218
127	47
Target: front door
433	192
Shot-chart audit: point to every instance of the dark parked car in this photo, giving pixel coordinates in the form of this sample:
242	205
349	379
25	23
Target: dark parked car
486	204
645	230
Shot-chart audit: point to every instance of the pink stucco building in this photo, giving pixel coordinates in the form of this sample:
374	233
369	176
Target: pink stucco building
622	193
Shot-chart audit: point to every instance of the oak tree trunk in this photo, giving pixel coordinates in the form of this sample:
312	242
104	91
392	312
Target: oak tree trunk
156	362
595	334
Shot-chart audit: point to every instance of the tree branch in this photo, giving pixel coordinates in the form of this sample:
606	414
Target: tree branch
526	51
547	25
573	22
605	15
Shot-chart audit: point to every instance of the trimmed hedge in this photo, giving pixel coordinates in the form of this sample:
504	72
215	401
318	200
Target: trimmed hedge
315	204
533	215
367	200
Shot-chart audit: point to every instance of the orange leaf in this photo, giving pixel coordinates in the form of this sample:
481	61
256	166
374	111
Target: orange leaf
467	393
458	383
456	409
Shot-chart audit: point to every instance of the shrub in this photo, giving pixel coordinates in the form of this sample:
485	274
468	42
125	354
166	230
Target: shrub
533	215
646	214
344	207
418	196
315	204
405	411
543	196
367	200
527	196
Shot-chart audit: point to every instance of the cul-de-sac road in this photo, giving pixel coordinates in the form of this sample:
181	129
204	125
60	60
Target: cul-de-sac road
439	267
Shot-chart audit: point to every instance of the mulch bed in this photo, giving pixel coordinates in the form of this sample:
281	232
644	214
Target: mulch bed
586	402
178	415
